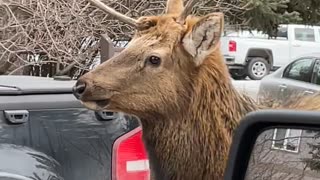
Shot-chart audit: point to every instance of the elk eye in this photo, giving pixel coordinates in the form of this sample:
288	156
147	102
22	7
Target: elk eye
154	60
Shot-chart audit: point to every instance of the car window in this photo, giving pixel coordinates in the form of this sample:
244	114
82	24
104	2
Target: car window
286	139
304	34
282	32
316	73
299	70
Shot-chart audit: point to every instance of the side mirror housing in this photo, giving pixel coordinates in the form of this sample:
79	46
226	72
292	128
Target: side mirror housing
278	138
107	49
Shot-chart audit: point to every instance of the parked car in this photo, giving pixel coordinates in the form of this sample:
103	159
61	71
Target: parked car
254	54
301	76
45	133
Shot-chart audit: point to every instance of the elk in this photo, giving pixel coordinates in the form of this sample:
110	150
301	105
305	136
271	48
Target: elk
173	77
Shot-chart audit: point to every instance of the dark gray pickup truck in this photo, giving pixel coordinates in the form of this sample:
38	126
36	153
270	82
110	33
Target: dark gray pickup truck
45	133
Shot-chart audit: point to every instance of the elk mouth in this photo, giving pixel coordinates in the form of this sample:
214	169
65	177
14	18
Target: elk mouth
103	103
96	105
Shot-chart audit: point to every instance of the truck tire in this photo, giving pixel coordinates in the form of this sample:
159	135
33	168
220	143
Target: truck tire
257	68
238	74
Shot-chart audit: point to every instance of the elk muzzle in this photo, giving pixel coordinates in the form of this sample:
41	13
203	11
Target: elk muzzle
92	94
79	89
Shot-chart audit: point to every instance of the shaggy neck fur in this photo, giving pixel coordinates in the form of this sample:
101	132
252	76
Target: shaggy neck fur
193	143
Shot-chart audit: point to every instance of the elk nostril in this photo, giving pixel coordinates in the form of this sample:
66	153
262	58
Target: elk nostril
79	89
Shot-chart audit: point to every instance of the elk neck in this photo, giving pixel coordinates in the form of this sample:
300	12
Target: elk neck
195	139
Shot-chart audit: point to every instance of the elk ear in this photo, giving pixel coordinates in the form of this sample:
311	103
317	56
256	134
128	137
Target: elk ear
204	37
174	7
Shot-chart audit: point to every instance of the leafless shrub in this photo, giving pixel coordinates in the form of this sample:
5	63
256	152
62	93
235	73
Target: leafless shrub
46	38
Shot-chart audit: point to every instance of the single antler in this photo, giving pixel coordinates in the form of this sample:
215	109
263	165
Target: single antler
186	11
114	13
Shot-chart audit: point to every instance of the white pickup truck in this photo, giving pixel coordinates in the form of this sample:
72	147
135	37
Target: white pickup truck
253	54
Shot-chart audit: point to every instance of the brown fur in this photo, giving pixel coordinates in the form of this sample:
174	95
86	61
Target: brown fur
188	112
194	143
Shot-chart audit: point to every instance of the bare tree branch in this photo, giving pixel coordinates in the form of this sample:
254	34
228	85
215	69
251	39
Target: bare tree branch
34	32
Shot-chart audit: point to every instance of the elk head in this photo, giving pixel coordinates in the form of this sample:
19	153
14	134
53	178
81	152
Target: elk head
156	69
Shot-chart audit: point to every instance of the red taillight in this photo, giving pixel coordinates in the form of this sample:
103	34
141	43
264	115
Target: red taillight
232	46
129	159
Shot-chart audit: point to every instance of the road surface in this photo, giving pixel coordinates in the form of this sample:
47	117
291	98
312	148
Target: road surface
248	87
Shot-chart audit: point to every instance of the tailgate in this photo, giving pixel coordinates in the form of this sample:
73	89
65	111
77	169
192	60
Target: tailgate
225	45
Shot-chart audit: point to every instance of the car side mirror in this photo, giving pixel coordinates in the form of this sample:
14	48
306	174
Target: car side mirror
106	115
107	49
276	144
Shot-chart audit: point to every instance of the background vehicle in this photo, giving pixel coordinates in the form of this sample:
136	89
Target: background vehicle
254	54
45	133
302	75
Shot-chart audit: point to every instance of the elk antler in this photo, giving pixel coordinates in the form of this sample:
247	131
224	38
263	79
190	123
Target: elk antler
114	13
174	7
186	11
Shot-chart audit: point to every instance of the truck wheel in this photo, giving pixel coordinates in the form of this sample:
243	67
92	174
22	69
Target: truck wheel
238	74
258	68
